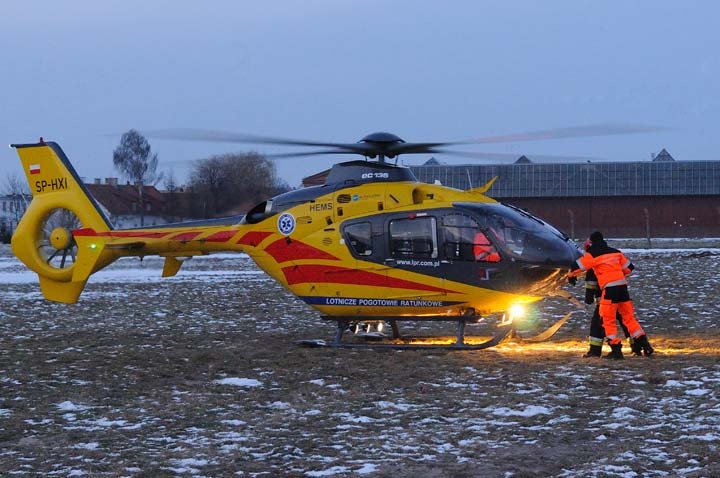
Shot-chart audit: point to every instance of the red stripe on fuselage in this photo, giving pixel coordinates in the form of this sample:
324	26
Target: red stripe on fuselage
92	232
342	275
186	236
282	251
85	232
221	236
253	238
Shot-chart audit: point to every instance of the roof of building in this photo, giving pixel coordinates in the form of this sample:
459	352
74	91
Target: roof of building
663	176
123	199
317	179
663	156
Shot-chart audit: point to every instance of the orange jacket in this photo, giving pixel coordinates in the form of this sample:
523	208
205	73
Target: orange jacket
610	267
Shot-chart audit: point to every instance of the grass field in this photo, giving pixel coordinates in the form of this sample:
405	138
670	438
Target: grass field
199	375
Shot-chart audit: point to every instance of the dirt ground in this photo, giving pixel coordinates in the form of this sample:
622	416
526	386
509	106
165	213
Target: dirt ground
200	375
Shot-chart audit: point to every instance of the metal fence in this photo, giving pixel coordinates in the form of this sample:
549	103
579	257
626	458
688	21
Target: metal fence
651	178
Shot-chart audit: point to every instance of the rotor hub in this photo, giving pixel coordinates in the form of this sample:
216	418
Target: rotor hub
61	238
381	138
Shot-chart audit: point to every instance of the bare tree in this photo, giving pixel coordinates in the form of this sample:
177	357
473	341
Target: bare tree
208	179
169	181
170	195
18	199
135	160
230	182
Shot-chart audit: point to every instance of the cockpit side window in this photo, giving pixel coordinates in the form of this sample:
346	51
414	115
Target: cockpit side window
414	237
512	230
358	237
465	241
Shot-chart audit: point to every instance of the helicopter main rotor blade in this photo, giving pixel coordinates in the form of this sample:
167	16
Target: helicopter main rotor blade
540	135
298	154
306	153
188	134
588	131
511	157
391	149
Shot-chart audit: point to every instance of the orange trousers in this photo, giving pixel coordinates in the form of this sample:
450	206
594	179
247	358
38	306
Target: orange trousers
608	311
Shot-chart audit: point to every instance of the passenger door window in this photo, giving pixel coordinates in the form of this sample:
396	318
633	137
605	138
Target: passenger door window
359	238
465	241
414	237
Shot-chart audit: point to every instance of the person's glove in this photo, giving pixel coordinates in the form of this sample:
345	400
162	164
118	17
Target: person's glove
572	280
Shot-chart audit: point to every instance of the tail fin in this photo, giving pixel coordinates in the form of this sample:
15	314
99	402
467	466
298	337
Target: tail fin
484	188
43	240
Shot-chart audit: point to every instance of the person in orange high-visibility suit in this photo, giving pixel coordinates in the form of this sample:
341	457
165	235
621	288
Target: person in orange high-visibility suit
597	332
611	268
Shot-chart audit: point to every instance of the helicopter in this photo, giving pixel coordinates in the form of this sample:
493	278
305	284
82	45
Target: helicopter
370	246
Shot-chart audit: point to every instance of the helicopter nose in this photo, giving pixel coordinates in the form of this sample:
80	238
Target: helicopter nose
549	251
571	253
563	254
543	272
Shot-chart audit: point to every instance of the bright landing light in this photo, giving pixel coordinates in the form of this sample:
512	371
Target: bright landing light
517	311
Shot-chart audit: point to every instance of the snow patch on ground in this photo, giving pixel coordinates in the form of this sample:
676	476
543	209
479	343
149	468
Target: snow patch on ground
235	423
239	382
335	470
404	407
87	446
68	406
367	468
528	411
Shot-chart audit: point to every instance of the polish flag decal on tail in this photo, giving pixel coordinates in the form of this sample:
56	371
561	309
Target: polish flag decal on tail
34	169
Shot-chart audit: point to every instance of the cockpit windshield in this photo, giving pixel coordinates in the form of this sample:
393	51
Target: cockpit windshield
519	232
557	232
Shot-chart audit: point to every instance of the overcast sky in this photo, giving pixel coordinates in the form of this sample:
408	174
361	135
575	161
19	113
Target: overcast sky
82	72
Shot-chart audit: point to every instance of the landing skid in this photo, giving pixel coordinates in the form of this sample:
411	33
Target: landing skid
462	342
544	335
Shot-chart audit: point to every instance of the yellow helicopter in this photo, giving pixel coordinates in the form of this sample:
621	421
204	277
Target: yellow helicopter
370	246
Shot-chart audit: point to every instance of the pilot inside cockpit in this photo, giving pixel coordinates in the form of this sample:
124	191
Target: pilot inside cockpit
483	250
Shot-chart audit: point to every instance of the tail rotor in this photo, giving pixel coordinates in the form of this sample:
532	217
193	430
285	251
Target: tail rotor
56	243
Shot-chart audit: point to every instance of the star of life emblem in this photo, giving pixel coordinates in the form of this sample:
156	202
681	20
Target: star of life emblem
286	224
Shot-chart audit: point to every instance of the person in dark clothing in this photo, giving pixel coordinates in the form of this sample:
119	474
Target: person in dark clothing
611	268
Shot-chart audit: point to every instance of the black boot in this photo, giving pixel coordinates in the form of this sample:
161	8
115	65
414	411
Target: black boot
615	353
595	351
643	343
635	347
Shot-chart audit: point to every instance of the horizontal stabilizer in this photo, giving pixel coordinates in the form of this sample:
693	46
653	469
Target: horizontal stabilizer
171	266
